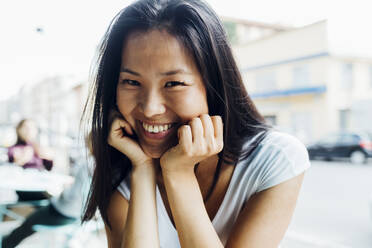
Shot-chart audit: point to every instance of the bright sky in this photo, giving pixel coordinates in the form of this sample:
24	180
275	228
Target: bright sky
72	30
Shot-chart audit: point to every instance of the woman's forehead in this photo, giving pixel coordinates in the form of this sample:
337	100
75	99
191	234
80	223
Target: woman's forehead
156	50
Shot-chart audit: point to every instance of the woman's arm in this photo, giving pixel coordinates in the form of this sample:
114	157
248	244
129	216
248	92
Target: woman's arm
134	223
117	215
201	139
141	228
193	225
266	216
262	223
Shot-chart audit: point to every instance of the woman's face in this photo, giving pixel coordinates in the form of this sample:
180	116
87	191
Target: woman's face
159	89
28	131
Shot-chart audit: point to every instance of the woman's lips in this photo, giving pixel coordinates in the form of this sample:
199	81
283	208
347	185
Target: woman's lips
156	136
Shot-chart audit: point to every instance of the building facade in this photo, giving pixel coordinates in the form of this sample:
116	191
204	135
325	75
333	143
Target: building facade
302	86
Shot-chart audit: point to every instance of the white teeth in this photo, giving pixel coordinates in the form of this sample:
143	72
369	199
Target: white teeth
155	128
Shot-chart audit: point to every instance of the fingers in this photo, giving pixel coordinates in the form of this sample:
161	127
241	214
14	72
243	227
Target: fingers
185	136
118	123
208	127
218	131
116	131
197	130
217	126
203	134
126	126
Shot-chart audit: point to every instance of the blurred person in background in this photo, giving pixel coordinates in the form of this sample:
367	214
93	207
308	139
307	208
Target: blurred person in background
183	158
28	154
62	210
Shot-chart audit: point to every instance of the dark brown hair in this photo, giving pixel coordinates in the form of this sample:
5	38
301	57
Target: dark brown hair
20	124
199	30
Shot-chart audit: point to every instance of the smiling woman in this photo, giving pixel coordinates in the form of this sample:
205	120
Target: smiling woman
165	89
183	158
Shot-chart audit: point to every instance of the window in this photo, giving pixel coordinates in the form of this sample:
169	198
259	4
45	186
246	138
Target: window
350	138
301	76
347	76
265	81
331	139
344	115
301	124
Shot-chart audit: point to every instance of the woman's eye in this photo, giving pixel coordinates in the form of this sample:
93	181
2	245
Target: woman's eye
174	83
130	82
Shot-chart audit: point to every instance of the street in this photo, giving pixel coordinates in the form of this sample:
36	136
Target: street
332	210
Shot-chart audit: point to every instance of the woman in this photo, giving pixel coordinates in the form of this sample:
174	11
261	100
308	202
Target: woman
62	210
183	158
26	152
29	155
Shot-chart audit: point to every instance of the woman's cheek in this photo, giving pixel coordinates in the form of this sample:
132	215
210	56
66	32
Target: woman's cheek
126	102
190	106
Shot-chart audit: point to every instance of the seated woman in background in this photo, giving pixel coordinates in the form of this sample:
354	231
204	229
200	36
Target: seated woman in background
62	210
28	154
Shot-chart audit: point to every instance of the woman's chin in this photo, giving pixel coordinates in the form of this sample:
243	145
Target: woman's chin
154	153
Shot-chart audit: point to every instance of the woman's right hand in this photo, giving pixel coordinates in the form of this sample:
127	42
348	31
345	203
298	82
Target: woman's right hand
126	145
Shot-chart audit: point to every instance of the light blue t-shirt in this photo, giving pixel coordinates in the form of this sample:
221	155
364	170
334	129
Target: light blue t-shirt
278	157
71	201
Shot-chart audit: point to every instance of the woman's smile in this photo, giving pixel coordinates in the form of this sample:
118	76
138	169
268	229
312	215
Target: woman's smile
156	131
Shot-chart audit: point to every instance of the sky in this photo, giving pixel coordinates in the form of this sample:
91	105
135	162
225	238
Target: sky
70	30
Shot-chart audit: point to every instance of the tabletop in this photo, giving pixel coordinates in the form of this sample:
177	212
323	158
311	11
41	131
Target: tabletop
13	177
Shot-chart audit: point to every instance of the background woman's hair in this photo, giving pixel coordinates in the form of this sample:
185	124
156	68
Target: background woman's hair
199	30
20	139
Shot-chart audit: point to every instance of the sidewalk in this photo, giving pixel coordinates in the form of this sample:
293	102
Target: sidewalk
297	240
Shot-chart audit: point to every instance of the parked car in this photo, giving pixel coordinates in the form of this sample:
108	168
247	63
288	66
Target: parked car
356	146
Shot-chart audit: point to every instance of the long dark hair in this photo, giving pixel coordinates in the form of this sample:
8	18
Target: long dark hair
198	28
20	139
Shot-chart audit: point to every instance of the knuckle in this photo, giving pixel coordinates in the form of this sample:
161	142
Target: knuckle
195	120
220	145
217	118
204	116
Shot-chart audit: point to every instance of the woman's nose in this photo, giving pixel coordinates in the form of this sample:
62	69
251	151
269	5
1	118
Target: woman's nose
152	105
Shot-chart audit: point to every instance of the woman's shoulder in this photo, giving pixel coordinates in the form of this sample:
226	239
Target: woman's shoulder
277	157
278	142
282	141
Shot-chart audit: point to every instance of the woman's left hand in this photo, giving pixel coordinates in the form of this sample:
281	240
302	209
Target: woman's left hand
200	139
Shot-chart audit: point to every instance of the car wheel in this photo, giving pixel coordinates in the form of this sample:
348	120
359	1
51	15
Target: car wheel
358	157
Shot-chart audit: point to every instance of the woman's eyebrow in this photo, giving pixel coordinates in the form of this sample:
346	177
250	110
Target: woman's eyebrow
130	71
173	72
167	73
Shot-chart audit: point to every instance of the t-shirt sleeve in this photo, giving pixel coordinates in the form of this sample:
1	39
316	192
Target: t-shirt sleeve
282	158
124	187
